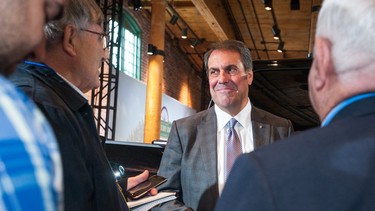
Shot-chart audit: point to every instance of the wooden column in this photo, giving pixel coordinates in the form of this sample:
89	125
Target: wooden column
155	73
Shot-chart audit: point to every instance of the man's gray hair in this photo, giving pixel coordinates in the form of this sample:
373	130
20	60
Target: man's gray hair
79	13
350	26
231	45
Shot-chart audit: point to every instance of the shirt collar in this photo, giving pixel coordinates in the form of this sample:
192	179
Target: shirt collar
68	82
243	117
342	105
73	86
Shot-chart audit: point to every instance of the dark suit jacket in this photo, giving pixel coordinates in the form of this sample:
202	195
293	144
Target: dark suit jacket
190	157
329	168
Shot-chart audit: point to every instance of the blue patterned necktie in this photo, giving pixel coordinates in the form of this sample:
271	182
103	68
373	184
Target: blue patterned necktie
233	146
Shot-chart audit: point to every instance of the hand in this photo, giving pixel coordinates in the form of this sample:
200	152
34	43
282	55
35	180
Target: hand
133	181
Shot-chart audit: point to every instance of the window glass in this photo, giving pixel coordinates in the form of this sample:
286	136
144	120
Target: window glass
130	49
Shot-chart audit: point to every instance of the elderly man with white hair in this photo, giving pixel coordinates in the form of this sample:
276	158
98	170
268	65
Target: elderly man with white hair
331	167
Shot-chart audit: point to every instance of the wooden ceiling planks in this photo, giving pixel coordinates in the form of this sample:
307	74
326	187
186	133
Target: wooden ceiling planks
215	20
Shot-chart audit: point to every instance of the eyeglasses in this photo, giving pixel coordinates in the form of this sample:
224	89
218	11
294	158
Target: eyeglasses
102	36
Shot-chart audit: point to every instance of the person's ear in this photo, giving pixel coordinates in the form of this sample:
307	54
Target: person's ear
70	40
250	77
323	62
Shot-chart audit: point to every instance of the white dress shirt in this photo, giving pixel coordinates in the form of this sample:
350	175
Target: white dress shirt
73	86
244	130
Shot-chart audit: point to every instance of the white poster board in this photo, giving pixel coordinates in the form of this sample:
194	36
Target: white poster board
131	110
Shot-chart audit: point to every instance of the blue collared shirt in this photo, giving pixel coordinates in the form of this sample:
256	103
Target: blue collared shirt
30	164
342	105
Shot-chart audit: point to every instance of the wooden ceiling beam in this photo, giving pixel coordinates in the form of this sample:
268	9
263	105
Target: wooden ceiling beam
176	4
215	15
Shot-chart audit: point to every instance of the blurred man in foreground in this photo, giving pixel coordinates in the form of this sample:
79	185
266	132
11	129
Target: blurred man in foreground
30	165
73	57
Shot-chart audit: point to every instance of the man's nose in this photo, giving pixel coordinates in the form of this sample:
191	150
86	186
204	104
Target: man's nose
223	76
105	54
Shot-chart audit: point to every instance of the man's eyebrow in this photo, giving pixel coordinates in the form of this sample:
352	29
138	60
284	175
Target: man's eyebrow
225	67
230	66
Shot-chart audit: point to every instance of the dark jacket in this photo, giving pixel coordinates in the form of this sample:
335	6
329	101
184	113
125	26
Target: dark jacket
328	168
89	183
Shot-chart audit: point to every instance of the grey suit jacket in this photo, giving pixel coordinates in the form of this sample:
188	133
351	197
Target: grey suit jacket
190	157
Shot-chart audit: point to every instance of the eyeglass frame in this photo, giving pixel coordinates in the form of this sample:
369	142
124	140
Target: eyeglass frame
102	35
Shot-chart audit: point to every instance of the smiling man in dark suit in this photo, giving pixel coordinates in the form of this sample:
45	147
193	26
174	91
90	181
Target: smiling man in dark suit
195	158
332	167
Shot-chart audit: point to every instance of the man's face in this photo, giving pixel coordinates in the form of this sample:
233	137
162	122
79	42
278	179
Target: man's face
21	24
229	82
90	55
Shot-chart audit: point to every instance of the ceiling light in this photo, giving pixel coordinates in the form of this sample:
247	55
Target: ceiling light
267	4
194	43
173	20
151	49
137	5
276	32
280	49
184	33
268	7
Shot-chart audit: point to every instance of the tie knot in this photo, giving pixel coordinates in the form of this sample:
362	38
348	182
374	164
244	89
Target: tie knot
232	122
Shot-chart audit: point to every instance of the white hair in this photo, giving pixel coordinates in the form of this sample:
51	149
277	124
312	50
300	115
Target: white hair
80	13
350	26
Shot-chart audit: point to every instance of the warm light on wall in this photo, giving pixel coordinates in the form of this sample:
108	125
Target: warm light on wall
185	95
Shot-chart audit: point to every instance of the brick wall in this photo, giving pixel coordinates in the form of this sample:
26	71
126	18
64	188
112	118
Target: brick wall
181	81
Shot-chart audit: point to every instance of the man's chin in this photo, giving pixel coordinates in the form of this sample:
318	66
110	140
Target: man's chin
224	102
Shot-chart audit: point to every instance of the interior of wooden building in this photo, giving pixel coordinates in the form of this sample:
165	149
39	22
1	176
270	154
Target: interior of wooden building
171	37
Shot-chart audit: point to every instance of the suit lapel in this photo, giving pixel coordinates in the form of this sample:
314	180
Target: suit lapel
207	141
261	131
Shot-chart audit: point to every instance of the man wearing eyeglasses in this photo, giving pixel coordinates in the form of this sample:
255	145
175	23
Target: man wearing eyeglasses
74	53
30	165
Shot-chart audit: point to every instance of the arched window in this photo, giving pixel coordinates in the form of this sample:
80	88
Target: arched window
130	49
